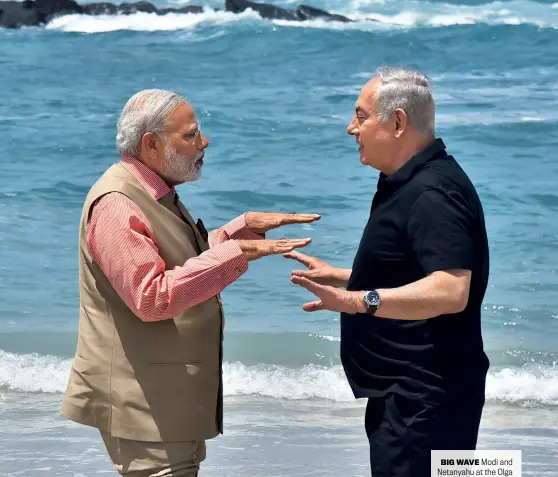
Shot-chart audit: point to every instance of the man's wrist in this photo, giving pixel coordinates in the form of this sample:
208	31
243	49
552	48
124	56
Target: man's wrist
248	224
341	277
358	302
371	301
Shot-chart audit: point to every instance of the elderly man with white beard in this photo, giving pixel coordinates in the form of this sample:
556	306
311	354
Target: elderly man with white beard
148	366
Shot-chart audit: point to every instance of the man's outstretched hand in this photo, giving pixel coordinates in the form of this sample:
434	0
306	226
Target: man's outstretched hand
254	249
330	298
261	222
319	271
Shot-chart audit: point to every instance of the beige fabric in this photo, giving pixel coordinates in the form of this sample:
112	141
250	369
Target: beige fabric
154	459
158	381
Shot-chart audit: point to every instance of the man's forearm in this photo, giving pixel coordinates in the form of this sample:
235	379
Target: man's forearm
437	294
121	242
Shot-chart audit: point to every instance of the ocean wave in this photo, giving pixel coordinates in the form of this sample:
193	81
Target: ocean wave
370	16
529	385
146	21
413	13
467	118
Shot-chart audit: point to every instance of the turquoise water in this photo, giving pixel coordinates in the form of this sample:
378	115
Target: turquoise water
274	98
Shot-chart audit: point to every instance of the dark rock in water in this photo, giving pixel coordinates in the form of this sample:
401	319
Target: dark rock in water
130	8
15	14
31	13
188	9
303	12
100	8
50	8
263	9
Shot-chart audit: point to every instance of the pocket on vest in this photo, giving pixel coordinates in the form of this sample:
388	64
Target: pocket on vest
170	384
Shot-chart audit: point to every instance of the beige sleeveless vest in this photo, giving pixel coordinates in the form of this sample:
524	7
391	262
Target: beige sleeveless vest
159	381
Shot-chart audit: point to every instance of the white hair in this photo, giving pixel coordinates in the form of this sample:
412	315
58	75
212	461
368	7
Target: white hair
146	111
410	91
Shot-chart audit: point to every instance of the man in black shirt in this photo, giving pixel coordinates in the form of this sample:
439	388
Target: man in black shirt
411	312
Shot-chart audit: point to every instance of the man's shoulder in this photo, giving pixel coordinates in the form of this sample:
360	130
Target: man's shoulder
114	171
445	186
445	173
115	178
107	188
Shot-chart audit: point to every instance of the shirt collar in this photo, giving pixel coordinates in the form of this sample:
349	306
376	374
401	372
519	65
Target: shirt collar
148	178
436	149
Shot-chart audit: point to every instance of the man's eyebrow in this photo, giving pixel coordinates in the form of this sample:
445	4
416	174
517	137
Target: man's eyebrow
193	128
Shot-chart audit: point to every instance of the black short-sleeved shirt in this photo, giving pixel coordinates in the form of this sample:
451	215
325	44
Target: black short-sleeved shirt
425	217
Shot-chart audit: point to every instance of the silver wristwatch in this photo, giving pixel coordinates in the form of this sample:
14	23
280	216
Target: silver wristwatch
372	301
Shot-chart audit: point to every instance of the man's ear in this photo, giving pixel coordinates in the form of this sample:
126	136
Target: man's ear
401	121
153	150
149	145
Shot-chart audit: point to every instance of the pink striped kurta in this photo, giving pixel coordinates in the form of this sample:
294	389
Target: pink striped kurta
121	241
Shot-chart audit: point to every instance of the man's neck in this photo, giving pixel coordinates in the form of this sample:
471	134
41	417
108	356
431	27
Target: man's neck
164	179
409	150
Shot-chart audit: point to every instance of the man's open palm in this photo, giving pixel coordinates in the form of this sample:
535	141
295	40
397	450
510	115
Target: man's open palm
330	298
261	222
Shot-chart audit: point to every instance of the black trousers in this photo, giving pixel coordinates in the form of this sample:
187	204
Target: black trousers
402	430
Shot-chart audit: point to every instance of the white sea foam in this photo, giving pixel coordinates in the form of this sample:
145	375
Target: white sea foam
142	21
369	15
532	385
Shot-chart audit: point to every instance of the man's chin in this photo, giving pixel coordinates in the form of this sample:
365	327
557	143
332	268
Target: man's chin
194	177
175	181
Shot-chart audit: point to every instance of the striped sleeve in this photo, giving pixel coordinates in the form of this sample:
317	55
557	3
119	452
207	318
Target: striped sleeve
121	241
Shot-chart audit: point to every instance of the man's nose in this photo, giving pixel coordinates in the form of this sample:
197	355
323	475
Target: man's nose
352	128
204	141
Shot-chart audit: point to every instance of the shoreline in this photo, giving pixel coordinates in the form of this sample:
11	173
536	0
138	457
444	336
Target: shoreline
263	437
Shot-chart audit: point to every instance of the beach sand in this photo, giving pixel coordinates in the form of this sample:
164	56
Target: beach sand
263	437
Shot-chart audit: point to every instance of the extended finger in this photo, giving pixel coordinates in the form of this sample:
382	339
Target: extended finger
287	248
308	284
284	246
293	242
313	306
302	258
296	245
287	219
303	273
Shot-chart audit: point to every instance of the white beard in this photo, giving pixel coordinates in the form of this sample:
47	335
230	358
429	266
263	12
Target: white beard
179	169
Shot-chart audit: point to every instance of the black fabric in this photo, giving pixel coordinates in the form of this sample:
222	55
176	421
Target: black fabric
425	217
403	431
202	230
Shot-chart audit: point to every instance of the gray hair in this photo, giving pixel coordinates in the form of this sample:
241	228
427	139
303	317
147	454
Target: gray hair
146	111
410	91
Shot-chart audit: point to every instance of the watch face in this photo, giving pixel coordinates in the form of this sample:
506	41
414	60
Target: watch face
373	298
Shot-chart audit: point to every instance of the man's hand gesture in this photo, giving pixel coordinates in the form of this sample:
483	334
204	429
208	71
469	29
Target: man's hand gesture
261	222
330	298
254	249
319	271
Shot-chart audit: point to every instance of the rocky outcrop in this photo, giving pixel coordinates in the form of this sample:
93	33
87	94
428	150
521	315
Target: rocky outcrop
265	10
39	12
129	8
31	13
